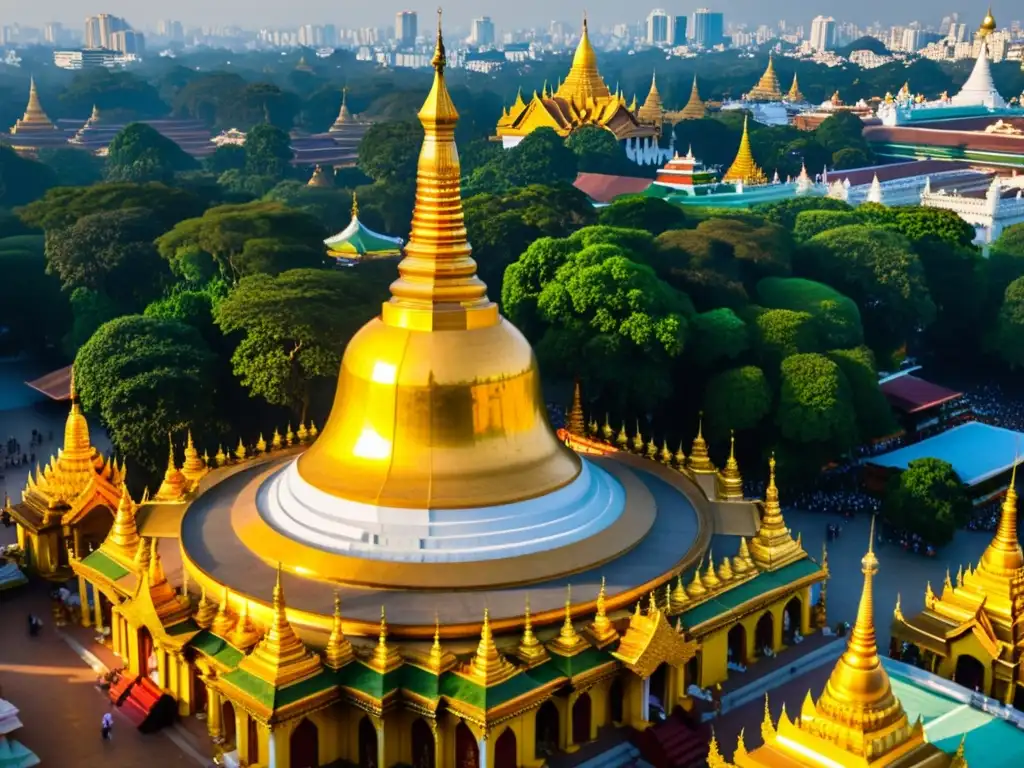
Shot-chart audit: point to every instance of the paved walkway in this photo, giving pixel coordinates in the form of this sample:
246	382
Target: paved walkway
61	706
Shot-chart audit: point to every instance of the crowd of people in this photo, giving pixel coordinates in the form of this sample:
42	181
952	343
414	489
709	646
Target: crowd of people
17	455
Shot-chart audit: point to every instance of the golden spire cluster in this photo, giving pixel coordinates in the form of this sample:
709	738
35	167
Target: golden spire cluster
281	658
773	546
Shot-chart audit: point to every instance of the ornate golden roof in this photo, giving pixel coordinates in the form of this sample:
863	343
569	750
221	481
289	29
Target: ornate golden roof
699	460
568	642
35	118
194	468
530	651
122	543
652	111
743	168
171	608
767	88
694	109
730	481
280	658
488	667
794	93
651	640
773	546
584	83
384	658
339	651
174	485
380	445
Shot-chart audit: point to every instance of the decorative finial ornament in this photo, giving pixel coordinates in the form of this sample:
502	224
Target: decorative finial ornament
602	629
440	58
568	642
339	651
488	666
355	206
530	650
1003	556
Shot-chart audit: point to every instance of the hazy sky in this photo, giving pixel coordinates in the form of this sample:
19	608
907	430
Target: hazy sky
352	13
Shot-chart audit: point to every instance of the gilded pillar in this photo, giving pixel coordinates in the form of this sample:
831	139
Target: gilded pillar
272	750
438	742
213	726
98	600
116	638
21	540
161	668
481	748
242	735
184	687
378	725
83	597
570	737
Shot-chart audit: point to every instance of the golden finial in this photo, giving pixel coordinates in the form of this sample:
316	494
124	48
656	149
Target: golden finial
240	450
742	563
715	759
575	423
699	460
568	642
622	439
302	433
897	612
652	449
697	588
338	652
205	611
313	431
173	486
275	440
679	457
385	658
488	666
206	457
289	436
960	576
222	621
245	634
220	458
665	455
668	597
711	580
261	445
767	728
194	467
1003	556
436	658
592	428
355	205
602	629
730	481
741	747
678	597
725	570
124	534
652	604
638	439
530	650
773	546
606	430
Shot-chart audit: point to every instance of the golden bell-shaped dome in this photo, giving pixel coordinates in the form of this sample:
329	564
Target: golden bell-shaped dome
438	402
988	24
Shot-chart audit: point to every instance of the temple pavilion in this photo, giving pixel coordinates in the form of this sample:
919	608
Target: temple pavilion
744	170
856	721
582	98
34	130
767	88
438	578
359	243
970	631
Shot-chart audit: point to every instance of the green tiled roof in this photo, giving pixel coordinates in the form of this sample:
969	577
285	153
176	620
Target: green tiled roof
182	628
759	585
421	682
357	240
571	666
101	563
273	698
366	680
465	690
217	648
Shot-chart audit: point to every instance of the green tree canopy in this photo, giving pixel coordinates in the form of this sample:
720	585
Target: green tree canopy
268	151
540	158
650	214
89	310
146	377
780	333
837	317
22	180
814	222
240	240
36	313
227	157
717	335
294	327
141	153
598	151
73	167
63	206
874	414
928	499
815	405
758	251
879	270
332	206
843	130
389	151
702	267
737	398
1008	336
785	212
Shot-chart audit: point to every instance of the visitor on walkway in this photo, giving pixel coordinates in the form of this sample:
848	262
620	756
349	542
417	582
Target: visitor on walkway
107	725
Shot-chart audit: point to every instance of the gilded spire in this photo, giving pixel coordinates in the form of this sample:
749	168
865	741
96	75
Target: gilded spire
858	709
194	467
320	178
1003	556
602	629
174	484
568	642
245	634
280	658
699	460
694	109
438	274
652	111
222	620
744	169
124	535
205	611
488	667
385	658
530	650
338	652
794	93
355	215
344	116
730	481
584	82
697	588
436	658
576	424
76	429
773	546
35	118
767	88
171	608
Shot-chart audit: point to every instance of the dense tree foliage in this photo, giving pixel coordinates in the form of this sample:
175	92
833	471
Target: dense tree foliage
815	403
22	180
1008	336
650	214
63	206
141	153
737	397
928	499
28	290
268	152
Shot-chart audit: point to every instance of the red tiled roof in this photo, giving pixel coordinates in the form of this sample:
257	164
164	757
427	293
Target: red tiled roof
56	385
911	394
603	187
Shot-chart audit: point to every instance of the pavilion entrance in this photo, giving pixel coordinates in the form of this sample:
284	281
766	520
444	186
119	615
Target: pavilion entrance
422	744
547	729
506	751
467	753
737	645
970	673
304	747
367	744
764	634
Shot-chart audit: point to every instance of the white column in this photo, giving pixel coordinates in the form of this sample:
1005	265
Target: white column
272	749
481	747
645	703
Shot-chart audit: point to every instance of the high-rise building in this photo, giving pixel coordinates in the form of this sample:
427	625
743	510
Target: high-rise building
658	27
911	39
405	28
708	28
127	41
53	32
482	32
679	24
100	28
823	33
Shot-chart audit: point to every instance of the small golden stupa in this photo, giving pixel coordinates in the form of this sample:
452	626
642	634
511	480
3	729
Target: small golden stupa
794	94
34	120
320	178
694	109
767	88
988	24
743	169
652	111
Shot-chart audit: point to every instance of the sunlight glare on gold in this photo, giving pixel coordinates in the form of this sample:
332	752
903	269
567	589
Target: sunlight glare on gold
383	373
370	445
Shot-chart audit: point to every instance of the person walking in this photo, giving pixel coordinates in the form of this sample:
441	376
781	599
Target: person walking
107	725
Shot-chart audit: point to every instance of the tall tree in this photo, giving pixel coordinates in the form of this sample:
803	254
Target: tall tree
141	153
268	152
929	499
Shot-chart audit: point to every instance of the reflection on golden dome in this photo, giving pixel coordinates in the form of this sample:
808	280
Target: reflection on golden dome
988	24
438	401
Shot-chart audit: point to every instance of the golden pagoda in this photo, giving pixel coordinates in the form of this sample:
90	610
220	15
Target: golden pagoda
699	460
60	497
694	109
320	179
194	467
856	722
582	98
730	481
652	111
743	169
970	632
773	547
794	95
988	24
344	115
174	485
767	88
34	120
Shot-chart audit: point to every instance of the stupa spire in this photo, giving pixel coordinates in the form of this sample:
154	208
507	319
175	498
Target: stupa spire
794	93
385	658
174	485
338	652
488	666
568	641
1003	556
767	88
773	546
280	658
584	81
652	111
744	169
700	460
694	109
124	535
602	629
34	118
438	274
530	650
576	424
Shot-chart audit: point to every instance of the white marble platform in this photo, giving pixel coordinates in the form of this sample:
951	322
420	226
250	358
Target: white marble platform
587	505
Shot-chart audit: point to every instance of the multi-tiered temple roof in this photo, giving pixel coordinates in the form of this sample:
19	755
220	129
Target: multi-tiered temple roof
744	169
767	88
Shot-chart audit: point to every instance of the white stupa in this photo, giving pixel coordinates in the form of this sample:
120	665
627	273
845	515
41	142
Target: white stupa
980	90
875	192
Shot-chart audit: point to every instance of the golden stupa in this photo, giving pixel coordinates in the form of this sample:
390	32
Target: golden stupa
694	109
34	120
988	24
652	111
744	169
794	95
321	178
767	88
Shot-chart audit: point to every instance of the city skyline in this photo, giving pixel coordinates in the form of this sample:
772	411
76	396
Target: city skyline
460	13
